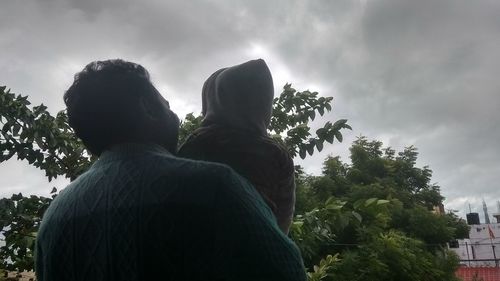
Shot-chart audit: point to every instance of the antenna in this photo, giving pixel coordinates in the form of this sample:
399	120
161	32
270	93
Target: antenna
486	216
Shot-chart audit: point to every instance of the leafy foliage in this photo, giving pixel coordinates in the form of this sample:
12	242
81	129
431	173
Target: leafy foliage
46	142
188	125
292	112
375	222
20	218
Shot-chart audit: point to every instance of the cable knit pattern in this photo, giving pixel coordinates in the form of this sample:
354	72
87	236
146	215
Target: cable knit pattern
142	214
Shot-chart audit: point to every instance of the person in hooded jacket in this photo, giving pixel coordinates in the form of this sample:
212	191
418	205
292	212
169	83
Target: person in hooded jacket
237	108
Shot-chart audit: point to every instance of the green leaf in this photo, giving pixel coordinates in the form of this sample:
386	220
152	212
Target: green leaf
382	201
6	127
302	153
321	133
329	138
321	111
357	216
338	135
358	203
370	201
310	147
312	115
319	145
333	206
15	129
340	122
330	200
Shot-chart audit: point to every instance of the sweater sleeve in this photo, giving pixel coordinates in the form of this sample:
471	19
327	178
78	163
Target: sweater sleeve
39	269
284	189
251	244
286	203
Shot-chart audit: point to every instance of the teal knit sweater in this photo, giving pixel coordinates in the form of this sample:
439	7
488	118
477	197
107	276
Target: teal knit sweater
140	213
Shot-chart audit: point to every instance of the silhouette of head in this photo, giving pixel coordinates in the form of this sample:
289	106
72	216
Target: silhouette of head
114	101
240	97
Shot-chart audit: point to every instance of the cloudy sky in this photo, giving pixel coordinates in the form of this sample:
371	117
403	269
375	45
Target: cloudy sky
405	72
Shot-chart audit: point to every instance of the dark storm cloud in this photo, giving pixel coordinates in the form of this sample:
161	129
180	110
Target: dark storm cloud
438	58
409	73
405	72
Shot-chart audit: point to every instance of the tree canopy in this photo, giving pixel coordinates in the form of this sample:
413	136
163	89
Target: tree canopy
374	219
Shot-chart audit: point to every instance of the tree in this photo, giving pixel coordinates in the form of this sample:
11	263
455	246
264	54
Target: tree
45	141
20	218
370	220
292	111
48	143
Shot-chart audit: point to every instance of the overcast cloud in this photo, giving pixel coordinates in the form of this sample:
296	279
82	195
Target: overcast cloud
405	72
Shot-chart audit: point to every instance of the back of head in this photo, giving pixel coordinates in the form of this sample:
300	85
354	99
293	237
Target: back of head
240	97
114	101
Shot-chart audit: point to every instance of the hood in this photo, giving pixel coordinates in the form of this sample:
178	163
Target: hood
239	97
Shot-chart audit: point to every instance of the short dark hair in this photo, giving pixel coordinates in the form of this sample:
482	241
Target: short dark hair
103	103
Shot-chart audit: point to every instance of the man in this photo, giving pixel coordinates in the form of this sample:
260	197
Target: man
140	213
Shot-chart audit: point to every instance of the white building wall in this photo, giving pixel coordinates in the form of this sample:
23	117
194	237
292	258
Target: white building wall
480	245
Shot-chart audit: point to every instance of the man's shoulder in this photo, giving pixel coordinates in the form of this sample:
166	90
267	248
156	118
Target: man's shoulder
165	178
189	168
197	176
153	163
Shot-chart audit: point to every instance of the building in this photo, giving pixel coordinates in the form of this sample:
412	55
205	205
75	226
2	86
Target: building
482	248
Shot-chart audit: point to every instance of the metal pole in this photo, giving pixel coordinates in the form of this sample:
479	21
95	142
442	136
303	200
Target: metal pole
467	248
494	254
493	248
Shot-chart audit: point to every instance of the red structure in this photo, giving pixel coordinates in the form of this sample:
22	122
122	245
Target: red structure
480	273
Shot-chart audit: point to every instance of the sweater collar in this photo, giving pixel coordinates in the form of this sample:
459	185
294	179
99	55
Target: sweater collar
125	149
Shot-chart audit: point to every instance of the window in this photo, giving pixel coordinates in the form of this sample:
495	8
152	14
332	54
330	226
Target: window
453	244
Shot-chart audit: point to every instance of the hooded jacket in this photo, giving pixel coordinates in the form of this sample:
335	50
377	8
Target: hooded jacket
237	109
